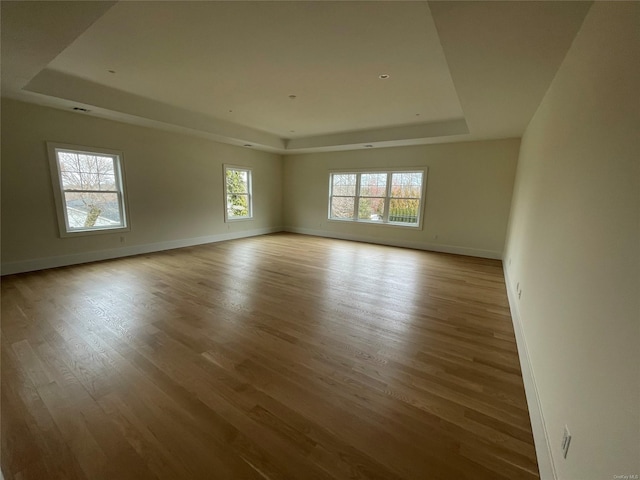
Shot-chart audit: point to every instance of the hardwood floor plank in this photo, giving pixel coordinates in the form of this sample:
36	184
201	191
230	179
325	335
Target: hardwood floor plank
275	357
75	432
42	431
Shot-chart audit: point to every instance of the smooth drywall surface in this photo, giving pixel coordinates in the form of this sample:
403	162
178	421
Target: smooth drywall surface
469	187
574	249
173	182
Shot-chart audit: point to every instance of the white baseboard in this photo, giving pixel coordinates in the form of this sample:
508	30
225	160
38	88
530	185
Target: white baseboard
540	433
86	257
10	268
433	247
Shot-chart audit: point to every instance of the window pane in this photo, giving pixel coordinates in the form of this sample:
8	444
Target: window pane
92	210
344	184
237	181
373	184
406	184
371	209
81	171
374	199
107	182
237	205
342	207
404	211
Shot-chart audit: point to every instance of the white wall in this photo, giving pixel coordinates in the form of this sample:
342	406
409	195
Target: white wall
574	247
174	186
469	189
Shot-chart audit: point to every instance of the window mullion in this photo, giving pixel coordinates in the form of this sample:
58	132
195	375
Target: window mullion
71	190
121	208
356	203
331	181
249	195
387	201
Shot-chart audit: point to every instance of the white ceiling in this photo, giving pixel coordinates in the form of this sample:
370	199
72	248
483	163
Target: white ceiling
226	70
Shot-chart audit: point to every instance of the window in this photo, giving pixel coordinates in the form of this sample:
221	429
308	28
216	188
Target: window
237	192
393	198
88	186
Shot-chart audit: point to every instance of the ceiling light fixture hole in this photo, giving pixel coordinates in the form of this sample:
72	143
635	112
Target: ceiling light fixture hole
384	76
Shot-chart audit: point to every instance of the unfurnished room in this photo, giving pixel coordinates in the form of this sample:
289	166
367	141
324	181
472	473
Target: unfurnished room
320	240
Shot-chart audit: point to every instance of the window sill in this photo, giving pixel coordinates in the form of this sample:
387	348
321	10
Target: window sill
98	231
382	224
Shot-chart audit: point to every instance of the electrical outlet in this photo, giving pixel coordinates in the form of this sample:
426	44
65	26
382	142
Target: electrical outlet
566	441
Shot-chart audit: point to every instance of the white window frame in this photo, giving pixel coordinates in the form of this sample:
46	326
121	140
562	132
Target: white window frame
58	189
249	194
387	198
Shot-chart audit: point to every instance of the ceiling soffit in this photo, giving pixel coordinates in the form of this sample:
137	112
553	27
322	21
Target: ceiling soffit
458	70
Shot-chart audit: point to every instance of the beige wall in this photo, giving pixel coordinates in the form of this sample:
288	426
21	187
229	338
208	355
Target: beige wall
574	247
174	186
174	191
469	191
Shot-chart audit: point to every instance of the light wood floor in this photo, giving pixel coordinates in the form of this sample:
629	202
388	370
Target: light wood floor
281	356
